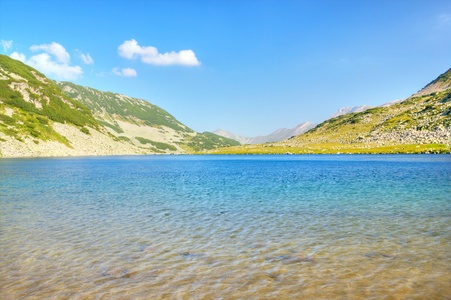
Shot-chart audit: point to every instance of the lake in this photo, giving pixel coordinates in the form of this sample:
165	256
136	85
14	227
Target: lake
226	227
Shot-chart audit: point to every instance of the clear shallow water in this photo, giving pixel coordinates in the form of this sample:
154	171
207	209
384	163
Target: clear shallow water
226	227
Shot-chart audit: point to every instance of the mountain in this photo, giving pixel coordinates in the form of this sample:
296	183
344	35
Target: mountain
243	140
276	136
421	123
37	118
142	123
348	110
441	83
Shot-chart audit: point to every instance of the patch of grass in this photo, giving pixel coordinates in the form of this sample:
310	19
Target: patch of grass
27	124
334	148
158	145
85	130
7	119
124	138
42	120
9	132
209	140
114	127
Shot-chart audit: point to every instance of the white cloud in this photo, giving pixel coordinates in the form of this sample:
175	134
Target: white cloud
18	56
149	55
45	64
54	62
127	72
6	45
87	59
55	49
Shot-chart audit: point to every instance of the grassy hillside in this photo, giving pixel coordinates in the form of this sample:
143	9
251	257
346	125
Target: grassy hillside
208	141
30	103
111	106
420	124
142	123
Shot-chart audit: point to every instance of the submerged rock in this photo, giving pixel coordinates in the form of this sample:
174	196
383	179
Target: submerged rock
192	255
379	254
290	259
116	272
149	249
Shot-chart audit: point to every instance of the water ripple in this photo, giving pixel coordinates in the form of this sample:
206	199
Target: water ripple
329	227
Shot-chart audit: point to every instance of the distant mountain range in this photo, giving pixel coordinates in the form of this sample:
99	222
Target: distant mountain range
286	133
276	136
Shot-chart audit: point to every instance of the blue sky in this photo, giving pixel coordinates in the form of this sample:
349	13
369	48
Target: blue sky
249	67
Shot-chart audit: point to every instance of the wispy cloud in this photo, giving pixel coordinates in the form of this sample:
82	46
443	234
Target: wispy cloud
127	72
150	55
444	20
86	58
6	45
53	62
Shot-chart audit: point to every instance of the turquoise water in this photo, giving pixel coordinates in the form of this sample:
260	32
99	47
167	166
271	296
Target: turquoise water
226	227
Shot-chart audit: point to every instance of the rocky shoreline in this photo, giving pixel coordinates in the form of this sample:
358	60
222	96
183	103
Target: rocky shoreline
93	144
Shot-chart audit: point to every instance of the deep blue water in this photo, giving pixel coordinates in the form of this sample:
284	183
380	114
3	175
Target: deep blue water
275	226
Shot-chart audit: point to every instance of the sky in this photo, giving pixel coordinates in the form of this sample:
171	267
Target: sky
249	66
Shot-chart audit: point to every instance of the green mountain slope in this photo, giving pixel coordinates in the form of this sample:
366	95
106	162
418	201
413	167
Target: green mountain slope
37	119
141	122
422	123
108	106
35	102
